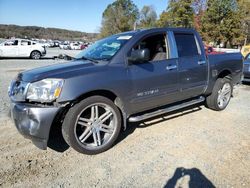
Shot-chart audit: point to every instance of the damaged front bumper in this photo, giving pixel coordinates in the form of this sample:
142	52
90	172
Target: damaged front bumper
33	121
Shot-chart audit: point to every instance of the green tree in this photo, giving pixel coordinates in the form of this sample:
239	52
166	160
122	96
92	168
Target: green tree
148	17
119	16
164	20
179	13
222	22
244	6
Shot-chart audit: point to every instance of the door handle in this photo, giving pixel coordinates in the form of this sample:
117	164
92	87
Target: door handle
171	67
201	62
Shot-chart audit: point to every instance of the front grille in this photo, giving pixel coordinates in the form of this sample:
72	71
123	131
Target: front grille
17	90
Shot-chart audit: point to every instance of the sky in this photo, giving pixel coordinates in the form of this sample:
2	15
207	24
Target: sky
79	15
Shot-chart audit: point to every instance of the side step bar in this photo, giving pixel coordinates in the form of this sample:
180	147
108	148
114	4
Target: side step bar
165	110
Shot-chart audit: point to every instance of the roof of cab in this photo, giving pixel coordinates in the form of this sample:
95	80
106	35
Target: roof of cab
180	29
148	31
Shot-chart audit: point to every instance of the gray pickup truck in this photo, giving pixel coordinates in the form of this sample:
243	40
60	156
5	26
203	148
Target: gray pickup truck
128	77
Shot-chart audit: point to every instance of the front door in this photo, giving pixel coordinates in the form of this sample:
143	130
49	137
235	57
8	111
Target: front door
155	82
9	48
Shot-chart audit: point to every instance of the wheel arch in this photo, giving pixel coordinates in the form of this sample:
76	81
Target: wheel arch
225	73
104	93
35	51
110	95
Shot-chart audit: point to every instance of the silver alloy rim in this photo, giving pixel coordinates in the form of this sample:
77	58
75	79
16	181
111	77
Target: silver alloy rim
95	125
35	55
224	95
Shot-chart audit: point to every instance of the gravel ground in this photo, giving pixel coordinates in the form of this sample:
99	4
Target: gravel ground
194	147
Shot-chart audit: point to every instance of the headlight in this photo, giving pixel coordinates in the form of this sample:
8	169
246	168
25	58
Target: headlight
46	90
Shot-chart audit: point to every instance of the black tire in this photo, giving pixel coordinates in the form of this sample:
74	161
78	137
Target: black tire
212	100
71	125
35	55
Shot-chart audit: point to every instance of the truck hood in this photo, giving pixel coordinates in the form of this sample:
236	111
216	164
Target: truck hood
60	70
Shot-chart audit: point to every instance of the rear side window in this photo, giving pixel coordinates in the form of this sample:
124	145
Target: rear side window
186	44
25	43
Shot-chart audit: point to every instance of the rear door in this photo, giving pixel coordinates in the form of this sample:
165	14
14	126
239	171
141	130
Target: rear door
193	67
155	83
24	48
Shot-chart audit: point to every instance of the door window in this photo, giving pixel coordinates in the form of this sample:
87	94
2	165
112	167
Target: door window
186	44
25	43
11	43
156	44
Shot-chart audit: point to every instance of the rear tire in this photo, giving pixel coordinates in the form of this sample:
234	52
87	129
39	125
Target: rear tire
35	55
221	94
92	126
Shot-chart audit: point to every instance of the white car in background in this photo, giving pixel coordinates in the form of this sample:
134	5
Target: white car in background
21	48
64	46
75	46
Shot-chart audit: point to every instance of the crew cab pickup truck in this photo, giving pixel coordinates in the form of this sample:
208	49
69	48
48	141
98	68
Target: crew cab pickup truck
21	48
127	77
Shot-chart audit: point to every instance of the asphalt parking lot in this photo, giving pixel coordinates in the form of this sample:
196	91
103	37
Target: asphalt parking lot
194	147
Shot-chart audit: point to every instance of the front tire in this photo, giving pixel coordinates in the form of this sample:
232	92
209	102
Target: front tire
221	94
92	126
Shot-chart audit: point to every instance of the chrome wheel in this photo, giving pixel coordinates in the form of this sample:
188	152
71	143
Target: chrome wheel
224	95
95	125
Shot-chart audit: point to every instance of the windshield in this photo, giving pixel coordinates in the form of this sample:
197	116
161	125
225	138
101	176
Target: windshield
104	49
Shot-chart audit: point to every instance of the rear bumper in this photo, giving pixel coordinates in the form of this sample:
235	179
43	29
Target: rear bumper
34	122
44	52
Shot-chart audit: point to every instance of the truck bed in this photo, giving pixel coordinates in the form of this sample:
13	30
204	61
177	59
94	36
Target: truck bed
227	62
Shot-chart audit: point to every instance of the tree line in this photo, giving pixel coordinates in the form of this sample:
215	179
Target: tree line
7	31
218	21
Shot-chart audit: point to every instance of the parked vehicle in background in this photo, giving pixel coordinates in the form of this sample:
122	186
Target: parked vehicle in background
44	43
130	76
22	48
84	46
210	50
246	69
227	50
56	43
64	46
74	46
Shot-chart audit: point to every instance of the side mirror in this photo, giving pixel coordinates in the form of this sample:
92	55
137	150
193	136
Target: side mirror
140	55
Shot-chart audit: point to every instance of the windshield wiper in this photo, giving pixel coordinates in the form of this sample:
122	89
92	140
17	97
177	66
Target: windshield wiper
103	59
89	59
